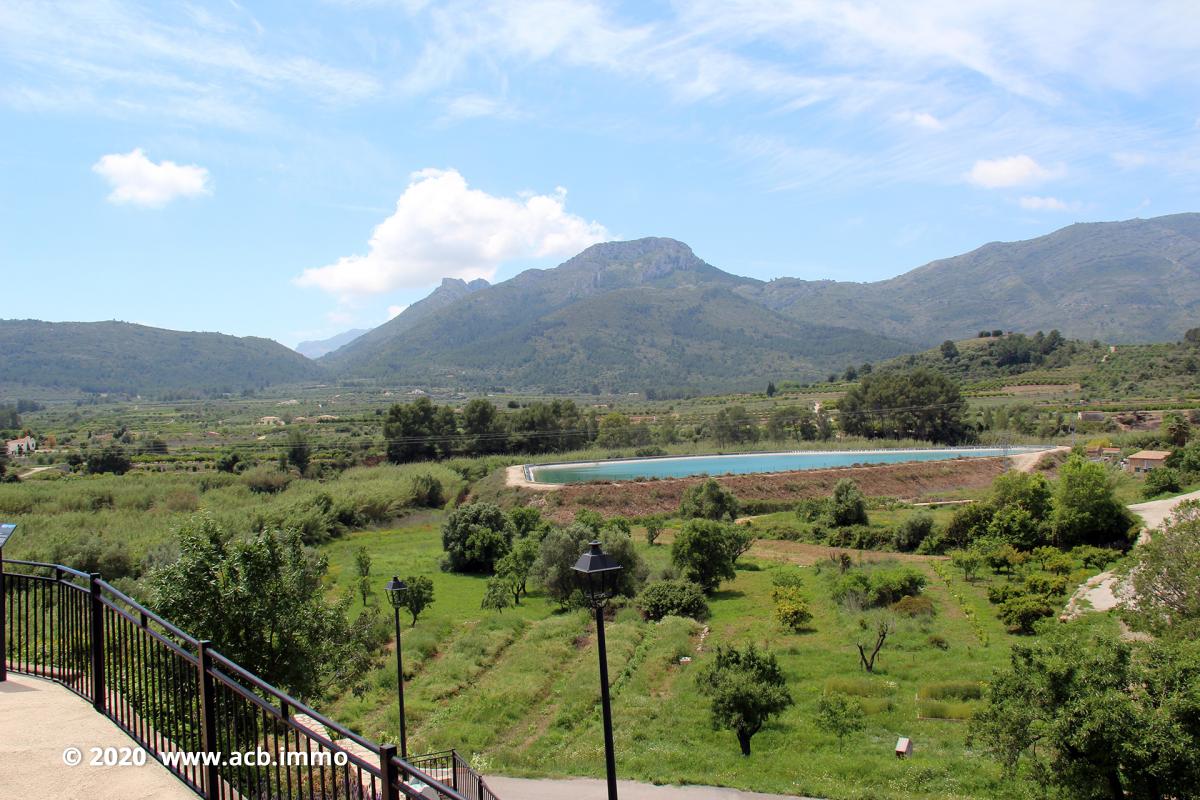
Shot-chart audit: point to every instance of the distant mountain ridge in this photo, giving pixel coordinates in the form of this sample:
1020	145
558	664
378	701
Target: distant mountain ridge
122	357
1131	281
316	348
618	316
628	315
649	314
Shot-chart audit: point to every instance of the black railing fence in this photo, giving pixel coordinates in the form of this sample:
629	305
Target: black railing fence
196	711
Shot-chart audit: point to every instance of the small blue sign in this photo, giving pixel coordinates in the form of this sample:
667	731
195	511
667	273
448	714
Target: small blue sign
6	530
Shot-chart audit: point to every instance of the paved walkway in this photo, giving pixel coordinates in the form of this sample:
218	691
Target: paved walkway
594	789
38	720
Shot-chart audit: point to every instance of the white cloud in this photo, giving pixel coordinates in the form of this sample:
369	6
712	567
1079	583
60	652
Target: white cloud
921	119
395	311
443	228
1020	170
1033	203
136	180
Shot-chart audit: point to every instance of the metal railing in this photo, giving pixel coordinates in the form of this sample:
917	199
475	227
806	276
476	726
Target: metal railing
450	768
194	710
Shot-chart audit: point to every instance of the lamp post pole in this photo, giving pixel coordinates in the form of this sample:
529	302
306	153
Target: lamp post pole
400	687
610	758
396	590
597	573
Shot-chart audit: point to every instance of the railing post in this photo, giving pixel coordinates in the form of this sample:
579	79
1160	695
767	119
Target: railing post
208	717
387	769
3	621
454	770
96	631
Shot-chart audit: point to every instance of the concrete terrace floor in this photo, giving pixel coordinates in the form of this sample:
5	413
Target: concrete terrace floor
38	720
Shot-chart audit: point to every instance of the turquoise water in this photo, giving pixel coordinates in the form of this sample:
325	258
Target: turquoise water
747	463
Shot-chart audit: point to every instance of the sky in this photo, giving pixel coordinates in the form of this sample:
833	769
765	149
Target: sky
295	169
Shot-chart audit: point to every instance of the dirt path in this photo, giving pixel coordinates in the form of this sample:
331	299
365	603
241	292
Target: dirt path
594	789
1104	592
34	471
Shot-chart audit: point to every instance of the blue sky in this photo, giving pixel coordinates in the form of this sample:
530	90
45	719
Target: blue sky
295	169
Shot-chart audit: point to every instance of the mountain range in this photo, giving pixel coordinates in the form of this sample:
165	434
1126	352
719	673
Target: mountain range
649	314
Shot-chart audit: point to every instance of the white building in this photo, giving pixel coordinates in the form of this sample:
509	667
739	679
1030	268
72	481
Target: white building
21	447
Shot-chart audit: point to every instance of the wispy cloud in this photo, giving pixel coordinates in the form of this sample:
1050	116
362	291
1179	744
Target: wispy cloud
1035	203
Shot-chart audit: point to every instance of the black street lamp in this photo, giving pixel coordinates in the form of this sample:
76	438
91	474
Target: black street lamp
396	590
598	580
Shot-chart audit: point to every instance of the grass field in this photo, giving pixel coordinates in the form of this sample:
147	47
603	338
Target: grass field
517	691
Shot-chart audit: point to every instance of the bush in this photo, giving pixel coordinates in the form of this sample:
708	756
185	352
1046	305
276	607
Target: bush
266	480
938	641
1160	480
913	607
791	609
672	599
999	593
877	588
427	491
1094	557
1022	611
848	506
860	537
708	500
951	690
1046	585
912	532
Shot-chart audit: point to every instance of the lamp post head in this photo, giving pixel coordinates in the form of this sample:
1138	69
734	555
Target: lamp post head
396	589
597	574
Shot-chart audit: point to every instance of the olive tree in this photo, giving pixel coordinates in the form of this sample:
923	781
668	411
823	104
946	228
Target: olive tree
746	688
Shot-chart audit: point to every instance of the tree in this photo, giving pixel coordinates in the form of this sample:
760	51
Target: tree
496	596
912	532
481	427
557	554
839	715
614	431
526	521
298	452
708	500
949	350
1095	716
475	537
362	563
515	568
1176	429
419	431
770	389
1166	578
230	462
906	404
746	688
1085	509
654	527
705	552
848	505
110	459
261	601
874	631
418	596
